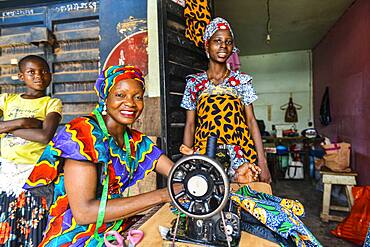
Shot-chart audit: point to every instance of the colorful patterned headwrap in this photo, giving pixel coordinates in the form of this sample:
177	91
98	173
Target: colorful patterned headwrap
216	24
112	74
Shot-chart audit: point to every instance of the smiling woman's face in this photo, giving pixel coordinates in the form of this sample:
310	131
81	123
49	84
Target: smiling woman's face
220	46
125	101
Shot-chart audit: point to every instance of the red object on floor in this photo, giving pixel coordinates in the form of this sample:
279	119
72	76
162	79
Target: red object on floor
355	226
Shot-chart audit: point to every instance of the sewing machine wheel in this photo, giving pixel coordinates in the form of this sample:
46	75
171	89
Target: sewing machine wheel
232	223
205	186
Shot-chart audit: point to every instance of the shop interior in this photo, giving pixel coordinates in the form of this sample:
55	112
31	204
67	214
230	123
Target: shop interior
290	48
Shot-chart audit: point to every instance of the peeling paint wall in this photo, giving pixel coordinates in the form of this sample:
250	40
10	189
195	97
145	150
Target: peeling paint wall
341	61
276	76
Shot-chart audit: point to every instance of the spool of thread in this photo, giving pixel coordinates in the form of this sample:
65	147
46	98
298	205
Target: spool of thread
211	146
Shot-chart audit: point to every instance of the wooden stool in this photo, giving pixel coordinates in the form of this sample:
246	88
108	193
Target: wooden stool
348	179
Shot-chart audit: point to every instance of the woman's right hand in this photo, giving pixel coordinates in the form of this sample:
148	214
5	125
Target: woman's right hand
165	194
186	150
247	173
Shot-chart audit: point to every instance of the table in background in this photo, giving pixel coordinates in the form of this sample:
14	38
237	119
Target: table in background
269	142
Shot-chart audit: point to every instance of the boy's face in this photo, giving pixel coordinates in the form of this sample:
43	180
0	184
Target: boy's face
36	75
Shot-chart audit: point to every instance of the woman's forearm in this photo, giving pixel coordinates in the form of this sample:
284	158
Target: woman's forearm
119	208
20	123
81	180
256	136
188	139
189	130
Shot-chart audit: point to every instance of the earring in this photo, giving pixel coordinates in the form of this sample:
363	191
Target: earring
104	112
207	55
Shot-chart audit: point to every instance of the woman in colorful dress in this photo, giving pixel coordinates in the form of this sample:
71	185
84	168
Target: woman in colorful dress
97	150
219	102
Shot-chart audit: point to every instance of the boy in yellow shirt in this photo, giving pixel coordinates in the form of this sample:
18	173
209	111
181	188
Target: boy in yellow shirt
29	123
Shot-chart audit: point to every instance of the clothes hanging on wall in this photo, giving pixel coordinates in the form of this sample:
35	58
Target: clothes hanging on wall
325	116
233	62
197	15
291	115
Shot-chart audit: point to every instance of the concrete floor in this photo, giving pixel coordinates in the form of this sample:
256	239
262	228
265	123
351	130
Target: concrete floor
305	192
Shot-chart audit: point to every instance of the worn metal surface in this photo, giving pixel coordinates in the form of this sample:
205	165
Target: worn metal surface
66	34
178	58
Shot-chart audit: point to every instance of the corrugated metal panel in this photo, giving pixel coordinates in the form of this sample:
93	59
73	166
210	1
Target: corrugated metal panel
178	58
66	34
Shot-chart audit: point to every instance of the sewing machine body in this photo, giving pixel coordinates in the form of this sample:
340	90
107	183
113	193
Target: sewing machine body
208	231
206	191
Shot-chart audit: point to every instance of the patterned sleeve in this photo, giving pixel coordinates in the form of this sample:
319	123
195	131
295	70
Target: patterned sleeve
189	99
78	140
246	90
54	105
147	155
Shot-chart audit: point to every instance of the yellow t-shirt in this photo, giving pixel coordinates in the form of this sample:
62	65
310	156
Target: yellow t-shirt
13	106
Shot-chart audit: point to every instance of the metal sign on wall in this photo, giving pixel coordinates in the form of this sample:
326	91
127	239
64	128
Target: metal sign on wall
124	33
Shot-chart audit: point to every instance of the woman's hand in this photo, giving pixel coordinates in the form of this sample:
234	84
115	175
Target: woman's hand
247	173
265	175
186	150
165	194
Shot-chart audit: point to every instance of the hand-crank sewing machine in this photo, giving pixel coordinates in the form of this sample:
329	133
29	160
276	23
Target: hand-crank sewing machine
211	218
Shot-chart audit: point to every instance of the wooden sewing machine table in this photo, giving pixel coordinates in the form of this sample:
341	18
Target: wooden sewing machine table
163	217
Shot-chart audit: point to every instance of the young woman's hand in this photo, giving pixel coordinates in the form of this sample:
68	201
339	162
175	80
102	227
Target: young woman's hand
247	173
186	150
166	196
265	175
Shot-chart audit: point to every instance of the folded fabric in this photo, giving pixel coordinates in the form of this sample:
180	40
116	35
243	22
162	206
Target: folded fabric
280	215
250	224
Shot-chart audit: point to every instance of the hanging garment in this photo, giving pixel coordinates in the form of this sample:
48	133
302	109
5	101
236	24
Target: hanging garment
291	108
325	117
197	15
233	61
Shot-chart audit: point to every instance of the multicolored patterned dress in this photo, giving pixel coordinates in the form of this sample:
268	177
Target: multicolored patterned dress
221	112
83	140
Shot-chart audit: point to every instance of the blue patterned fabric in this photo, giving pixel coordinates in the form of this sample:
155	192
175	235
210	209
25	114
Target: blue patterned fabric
278	214
367	240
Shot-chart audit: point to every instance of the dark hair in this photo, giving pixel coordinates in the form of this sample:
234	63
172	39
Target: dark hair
29	58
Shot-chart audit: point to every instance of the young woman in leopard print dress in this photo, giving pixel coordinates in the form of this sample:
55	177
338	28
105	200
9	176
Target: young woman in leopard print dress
219	102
